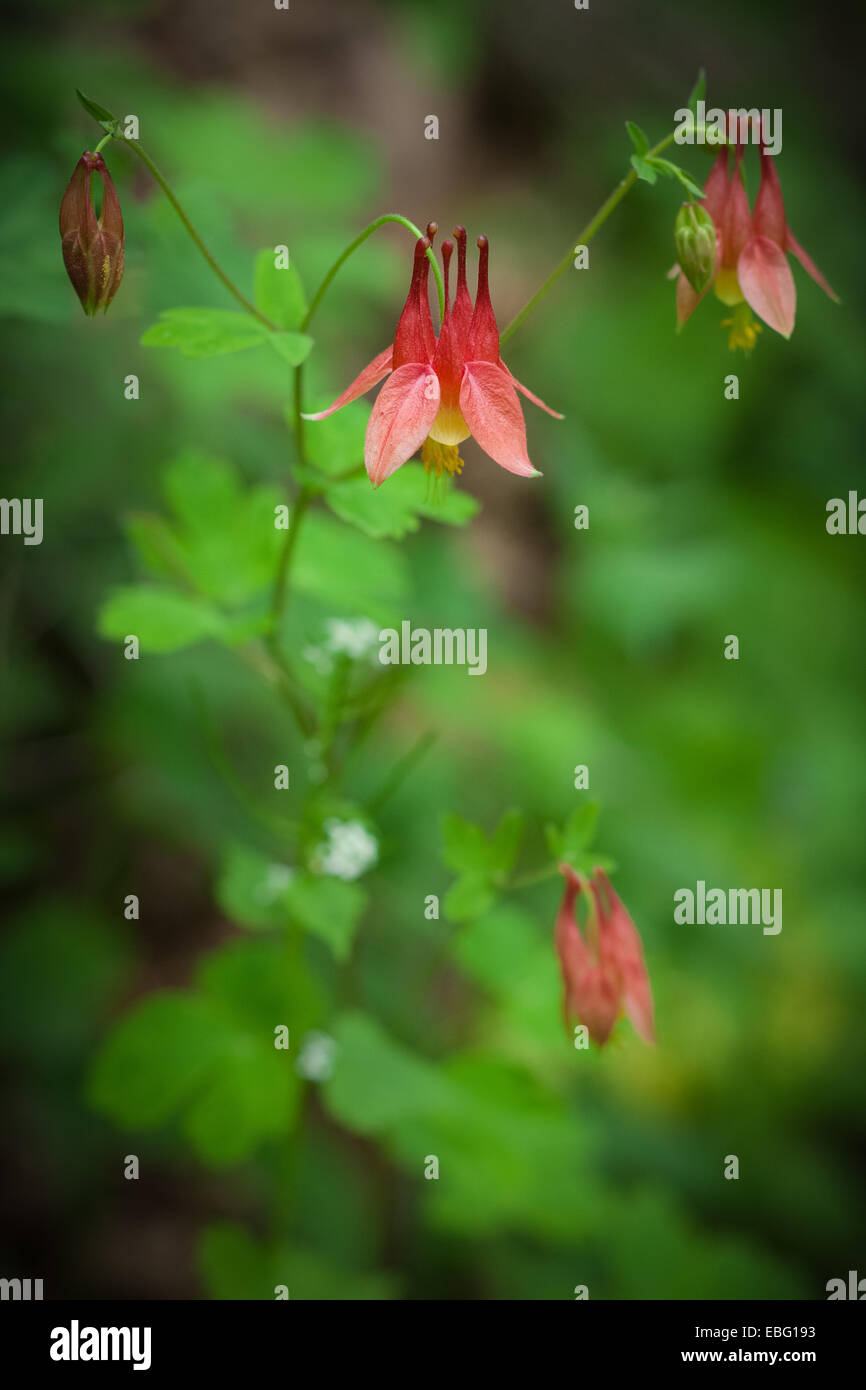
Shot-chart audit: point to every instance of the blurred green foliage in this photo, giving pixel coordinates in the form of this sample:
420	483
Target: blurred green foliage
556	1167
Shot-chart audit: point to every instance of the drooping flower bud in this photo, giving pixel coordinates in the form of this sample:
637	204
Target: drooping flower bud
92	246
695	237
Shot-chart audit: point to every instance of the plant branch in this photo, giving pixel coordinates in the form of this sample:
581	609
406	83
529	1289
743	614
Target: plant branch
212	262
583	238
359	240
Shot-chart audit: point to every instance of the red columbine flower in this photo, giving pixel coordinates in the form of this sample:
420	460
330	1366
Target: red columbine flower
443	390
763	270
752	272
92	247
606	974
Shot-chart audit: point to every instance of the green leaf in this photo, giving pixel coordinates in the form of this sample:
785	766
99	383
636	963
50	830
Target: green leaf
471	896
292	347
162	619
395	508
348	571
698	92
673	171
207	1059
156	1058
99	113
644	170
279	293
689	185
579	830
250	1098
336	444
328	907
464	845
259	984
506	842
466	849
236	1266
226	533
377	1082
637	137
251	889
501	949
480	863
213	332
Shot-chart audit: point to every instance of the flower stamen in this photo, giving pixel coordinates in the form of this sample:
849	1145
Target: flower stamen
743	328
440	458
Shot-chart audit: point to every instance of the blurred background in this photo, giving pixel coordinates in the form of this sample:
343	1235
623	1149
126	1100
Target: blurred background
707	518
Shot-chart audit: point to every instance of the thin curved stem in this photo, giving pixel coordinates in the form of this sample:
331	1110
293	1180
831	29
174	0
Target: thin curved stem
582	239
398	774
278	597
214	265
528	880
359	240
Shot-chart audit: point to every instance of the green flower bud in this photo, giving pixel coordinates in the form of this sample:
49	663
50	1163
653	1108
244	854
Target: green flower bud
92	247
695	237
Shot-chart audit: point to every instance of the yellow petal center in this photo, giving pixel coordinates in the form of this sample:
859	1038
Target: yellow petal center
449	427
727	287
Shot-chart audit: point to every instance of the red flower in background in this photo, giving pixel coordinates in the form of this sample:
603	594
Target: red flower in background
752	270
441	391
604	975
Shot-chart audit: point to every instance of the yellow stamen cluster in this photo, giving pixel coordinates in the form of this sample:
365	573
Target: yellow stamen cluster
743	328
440	458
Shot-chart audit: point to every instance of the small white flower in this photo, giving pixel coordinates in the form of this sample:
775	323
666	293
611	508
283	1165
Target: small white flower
321	661
354	637
317	1056
349	851
274	884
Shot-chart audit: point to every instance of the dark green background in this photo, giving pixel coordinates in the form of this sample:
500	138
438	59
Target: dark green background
605	648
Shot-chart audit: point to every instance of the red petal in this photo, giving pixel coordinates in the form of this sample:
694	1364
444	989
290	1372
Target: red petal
462	310
734	224
793	245
401	418
414	338
687	300
769	216
372	373
530	395
767	284
492	412
621	939
590	990
482	341
716	187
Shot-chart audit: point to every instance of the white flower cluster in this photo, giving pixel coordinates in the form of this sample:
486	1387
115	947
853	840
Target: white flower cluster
317	1056
357	638
349	851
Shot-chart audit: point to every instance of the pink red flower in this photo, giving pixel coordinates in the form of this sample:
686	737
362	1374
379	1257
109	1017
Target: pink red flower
442	390
605	974
92	246
752	270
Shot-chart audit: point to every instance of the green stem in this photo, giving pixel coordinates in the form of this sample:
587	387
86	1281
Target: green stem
359	240
400	771
529	880
214	265
582	239
280	590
